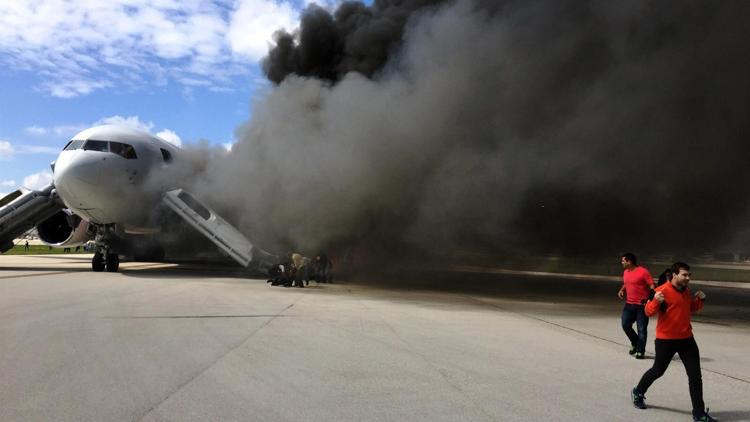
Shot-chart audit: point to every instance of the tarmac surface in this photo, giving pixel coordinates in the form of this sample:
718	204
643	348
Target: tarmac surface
166	342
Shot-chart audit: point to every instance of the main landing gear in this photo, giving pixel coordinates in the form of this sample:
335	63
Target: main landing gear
109	261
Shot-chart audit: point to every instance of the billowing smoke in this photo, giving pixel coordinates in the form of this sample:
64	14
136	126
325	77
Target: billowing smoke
356	39
539	125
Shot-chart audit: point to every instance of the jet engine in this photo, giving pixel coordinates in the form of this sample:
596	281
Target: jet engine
64	229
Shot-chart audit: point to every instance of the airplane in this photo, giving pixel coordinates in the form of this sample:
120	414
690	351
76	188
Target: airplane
113	185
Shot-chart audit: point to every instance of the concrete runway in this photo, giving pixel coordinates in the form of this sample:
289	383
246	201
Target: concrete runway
167	343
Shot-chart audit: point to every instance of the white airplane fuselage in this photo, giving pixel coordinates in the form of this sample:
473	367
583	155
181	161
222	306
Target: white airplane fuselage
119	188
110	174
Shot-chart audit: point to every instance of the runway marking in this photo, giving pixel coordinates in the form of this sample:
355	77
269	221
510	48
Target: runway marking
494	305
5	277
136	267
196	316
81	257
148	266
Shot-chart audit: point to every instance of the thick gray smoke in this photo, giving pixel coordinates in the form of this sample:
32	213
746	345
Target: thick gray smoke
543	125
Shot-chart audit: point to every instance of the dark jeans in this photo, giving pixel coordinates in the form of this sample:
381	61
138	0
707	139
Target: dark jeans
690	356
635	313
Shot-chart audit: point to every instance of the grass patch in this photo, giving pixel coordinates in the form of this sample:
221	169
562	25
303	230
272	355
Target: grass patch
40	250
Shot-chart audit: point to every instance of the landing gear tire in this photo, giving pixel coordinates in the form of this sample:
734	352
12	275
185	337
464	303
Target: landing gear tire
113	262
97	263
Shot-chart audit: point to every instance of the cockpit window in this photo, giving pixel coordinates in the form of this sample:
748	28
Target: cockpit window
96	146
166	155
74	144
123	150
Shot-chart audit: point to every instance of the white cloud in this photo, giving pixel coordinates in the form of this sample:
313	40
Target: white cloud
73	88
130	121
254	23
6	149
36	131
326	4
68	131
136	123
61	131
37	181
37	149
170	137
80	46
8	183
187	94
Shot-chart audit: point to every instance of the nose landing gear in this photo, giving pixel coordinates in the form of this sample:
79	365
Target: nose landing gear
108	260
113	262
104	258
97	263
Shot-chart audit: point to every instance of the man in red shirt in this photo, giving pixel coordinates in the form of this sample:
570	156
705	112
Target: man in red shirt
674	334
636	287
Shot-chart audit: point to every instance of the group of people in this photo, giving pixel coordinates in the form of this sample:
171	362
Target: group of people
674	303
299	270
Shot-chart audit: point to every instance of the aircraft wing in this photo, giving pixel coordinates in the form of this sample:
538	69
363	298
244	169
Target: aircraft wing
20	212
217	230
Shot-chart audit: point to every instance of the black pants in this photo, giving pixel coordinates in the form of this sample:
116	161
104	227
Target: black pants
690	356
634	313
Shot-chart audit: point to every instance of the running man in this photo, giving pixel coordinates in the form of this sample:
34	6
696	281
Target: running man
636	286
674	334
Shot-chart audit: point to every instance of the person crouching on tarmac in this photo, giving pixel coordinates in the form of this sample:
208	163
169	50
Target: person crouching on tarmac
637	285
302	267
674	334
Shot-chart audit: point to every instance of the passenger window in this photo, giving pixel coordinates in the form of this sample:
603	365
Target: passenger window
74	144
96	146
166	155
123	150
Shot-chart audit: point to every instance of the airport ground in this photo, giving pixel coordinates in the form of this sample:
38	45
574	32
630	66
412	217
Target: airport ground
165	342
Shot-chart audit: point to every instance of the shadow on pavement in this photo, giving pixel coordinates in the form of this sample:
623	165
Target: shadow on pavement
724	307
731	415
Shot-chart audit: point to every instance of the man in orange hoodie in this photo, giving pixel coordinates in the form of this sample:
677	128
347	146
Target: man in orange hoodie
675	304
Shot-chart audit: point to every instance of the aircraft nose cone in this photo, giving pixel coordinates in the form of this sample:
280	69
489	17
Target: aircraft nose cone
76	179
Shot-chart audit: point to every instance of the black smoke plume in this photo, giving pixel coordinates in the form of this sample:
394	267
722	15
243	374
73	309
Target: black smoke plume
537	126
357	38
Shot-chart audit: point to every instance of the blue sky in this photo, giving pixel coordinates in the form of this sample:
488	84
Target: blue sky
185	70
